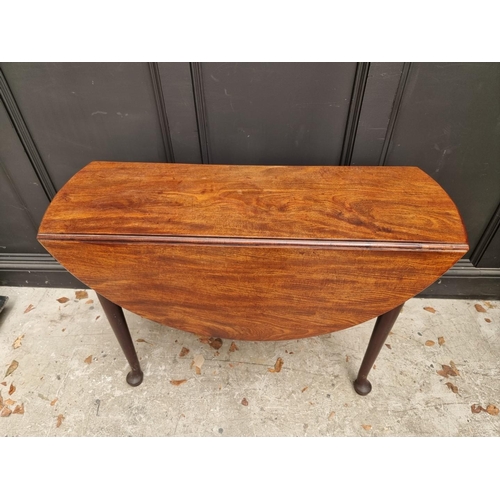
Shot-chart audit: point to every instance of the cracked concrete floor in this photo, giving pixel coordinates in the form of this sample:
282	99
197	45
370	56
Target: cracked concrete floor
70	378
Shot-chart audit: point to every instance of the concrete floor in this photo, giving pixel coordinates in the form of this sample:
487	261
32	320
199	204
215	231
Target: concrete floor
70	378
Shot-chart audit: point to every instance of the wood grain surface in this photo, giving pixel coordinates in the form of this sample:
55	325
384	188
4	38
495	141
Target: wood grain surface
345	203
252	293
254	252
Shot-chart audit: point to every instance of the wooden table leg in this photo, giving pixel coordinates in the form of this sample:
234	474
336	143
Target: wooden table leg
118	323
380	332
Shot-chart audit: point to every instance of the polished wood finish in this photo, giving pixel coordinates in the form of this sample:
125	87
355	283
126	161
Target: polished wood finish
255	252
118	323
380	332
328	203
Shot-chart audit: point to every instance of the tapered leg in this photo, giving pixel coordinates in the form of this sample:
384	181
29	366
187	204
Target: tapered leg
382	328
115	316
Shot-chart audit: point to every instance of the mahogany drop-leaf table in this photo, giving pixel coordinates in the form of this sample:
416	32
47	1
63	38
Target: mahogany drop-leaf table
254	252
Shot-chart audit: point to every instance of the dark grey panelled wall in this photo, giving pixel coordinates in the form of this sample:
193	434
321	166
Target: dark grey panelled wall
57	117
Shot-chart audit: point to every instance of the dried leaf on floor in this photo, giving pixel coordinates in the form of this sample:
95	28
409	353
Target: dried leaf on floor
53	402
19	410
429	343
476	408
430	309
488	320
441	340
62	300
332	414
492	410
244	402
90	301
17	342
12	368
388	346
88	359
97	317
452	387
447	371
10	402
5	412
198	361
215	343
142	340
347	359
29	308
479	308
454	368
489	305
305	388
277	366
178	382
81	294
204	340
233	347
367	427
4	383
12	389
184	352
60	419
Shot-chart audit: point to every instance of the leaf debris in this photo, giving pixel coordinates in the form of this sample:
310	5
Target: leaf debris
277	366
488	320
29	308
367	427
53	402
88	359
429	343
452	387
5	412
62	300
141	340
244	402
184	352
388	346
430	309
479	308
447	370
19	410
332	414
492	410
233	347
197	362
81	294
178	382
215	343
12	368
60	419
12	389
17	342
441	340
90	301
305	388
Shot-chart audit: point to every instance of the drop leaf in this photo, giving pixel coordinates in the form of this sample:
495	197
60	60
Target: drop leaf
88	359
441	340
479	308
63	300
53	402
452	387
233	347
5	412
367	427
29	308
12	389
430	309
476	408
388	346
90	301
429	343
81	294
244	402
